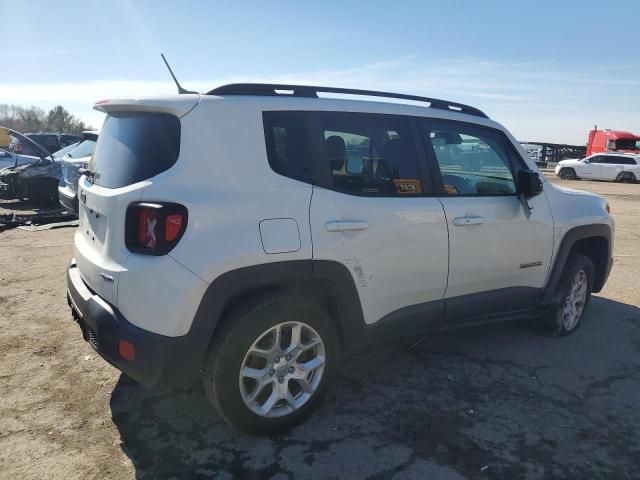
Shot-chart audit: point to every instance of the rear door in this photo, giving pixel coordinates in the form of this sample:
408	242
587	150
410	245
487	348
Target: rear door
610	167
133	147
499	251
373	211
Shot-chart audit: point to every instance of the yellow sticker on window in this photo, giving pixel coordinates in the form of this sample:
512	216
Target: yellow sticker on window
408	186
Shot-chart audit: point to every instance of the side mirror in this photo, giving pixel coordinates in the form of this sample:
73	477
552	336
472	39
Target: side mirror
529	183
354	166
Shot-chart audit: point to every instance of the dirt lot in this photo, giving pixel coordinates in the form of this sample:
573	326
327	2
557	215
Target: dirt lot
490	402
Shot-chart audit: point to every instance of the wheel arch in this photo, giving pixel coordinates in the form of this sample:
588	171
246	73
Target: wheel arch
329	283
594	241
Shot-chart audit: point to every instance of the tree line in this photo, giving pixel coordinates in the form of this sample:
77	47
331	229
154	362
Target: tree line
34	119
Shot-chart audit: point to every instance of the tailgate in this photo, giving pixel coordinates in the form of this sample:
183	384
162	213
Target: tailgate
99	241
138	140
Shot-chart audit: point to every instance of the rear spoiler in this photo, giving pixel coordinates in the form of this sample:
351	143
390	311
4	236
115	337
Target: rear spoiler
174	105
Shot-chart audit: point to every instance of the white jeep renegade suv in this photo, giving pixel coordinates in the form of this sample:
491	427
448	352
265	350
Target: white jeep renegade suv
255	234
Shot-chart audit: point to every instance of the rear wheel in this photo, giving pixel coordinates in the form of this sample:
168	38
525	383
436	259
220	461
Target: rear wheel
271	364
626	177
574	292
568	174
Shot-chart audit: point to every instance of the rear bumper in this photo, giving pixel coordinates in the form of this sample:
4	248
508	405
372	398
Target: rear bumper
158	359
68	199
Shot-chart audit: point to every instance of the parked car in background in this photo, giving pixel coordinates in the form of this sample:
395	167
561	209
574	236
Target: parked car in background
5	139
37	180
618	167
52	142
63	151
71	164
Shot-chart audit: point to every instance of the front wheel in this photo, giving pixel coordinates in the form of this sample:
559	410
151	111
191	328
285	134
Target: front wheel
271	364
574	292
568	174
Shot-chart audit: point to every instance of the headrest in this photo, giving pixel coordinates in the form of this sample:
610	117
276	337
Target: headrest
336	151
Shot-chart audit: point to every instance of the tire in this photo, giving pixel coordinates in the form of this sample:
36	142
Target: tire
626	177
252	328
568	174
563	320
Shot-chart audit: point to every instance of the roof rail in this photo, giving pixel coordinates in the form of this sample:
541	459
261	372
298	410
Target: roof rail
267	89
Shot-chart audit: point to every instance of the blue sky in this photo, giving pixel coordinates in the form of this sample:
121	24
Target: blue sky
548	70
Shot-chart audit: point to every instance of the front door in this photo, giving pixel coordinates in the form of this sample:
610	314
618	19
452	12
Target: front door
500	249
590	168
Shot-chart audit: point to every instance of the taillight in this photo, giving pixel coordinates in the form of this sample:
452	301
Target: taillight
154	228
173	227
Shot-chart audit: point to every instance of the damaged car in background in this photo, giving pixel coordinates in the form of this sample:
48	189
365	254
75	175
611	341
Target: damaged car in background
72	165
37	180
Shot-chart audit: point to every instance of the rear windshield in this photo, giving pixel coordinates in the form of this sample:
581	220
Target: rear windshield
133	147
84	149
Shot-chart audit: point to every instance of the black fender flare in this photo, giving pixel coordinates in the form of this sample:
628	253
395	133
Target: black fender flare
328	276
570	238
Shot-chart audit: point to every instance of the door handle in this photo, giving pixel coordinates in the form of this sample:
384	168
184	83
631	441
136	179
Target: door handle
346	225
468	220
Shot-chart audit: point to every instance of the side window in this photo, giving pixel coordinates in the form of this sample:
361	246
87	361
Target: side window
287	142
472	161
370	155
625	161
596	159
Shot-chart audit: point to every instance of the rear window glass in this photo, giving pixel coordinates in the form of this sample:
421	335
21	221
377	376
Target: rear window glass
133	147
288	144
84	149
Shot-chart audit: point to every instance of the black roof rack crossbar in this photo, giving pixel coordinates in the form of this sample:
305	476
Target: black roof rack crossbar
266	89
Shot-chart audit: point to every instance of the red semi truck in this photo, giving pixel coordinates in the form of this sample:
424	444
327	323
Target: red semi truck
612	140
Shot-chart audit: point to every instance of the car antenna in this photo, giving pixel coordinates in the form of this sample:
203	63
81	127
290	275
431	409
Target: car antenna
180	89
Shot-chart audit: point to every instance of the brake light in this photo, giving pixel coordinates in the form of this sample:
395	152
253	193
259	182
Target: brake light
173	226
607	208
154	228
17	148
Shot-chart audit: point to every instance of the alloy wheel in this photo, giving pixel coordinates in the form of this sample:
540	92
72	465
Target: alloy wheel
575	300
282	369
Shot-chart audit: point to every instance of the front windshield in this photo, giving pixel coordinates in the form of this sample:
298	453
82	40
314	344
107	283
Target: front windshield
84	149
628	144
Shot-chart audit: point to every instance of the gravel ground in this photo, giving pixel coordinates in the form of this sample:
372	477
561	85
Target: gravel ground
489	402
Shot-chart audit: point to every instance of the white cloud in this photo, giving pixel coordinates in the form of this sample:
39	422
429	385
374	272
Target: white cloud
540	101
